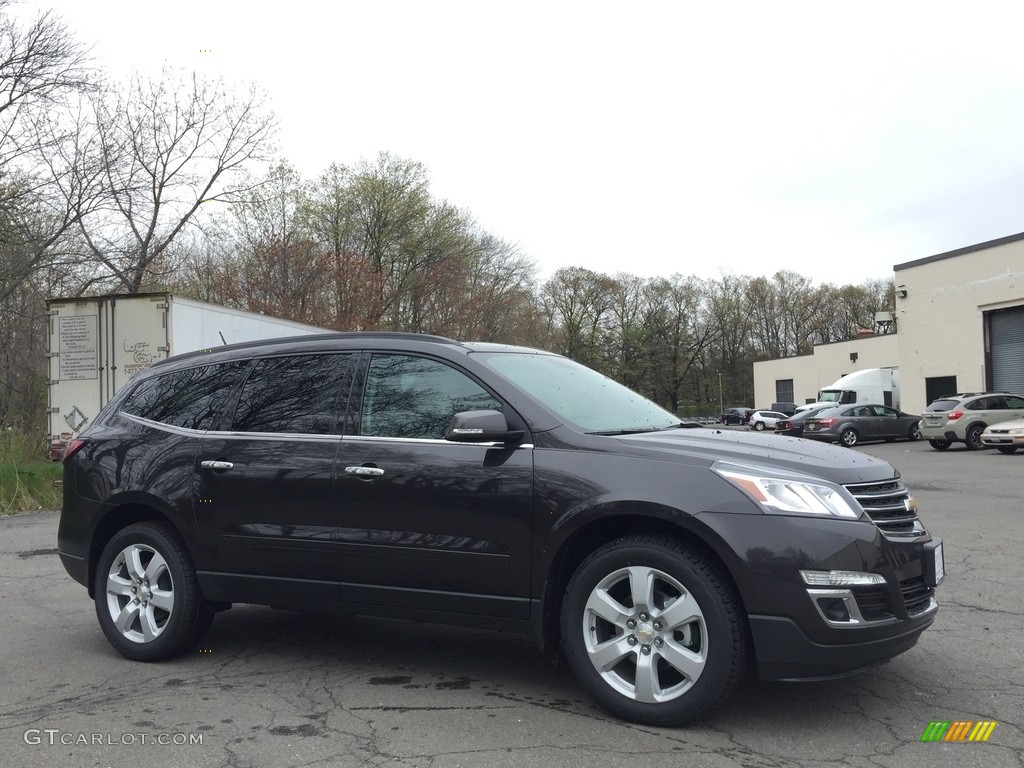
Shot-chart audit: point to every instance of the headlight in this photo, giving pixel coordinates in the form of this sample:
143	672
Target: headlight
779	495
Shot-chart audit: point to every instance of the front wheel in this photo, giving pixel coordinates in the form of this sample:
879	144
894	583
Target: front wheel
759	426
653	630
147	598
849	437
939	445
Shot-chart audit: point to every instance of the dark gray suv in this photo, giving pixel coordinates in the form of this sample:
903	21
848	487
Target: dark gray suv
490	486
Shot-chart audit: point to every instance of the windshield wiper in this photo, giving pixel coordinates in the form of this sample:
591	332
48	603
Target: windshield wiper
642	430
614	432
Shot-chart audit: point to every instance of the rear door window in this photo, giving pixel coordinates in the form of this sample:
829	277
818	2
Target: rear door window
302	394
190	398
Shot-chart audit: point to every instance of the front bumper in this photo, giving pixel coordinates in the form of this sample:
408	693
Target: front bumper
1003	440
784	652
793	637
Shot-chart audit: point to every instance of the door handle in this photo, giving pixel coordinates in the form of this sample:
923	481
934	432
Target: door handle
216	465
364	471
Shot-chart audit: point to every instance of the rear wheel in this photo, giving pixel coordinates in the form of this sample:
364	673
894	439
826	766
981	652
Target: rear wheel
147	598
849	437
939	445
653	630
973	437
1006	448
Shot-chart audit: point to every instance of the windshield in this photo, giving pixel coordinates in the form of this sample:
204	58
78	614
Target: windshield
830	395
582	397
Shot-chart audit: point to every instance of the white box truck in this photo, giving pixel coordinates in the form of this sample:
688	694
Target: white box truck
875	386
97	343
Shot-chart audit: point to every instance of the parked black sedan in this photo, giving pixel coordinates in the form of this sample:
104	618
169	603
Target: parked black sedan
794	425
852	424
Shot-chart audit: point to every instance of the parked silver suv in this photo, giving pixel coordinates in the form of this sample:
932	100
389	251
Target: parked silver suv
962	418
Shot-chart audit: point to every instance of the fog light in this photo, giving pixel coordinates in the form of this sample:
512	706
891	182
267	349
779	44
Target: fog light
833	609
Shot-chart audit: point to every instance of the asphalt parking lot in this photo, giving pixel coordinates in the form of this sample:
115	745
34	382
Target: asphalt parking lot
272	688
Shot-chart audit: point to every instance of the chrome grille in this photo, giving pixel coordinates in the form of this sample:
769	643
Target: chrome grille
889	505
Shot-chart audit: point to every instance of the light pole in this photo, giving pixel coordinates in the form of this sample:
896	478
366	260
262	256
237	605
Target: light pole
721	403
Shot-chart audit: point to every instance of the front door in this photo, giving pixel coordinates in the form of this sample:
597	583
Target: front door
427	523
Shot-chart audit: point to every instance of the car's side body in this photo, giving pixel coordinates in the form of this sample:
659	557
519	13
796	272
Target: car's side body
853	424
343	513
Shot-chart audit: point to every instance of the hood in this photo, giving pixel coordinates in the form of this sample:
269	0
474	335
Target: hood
793	454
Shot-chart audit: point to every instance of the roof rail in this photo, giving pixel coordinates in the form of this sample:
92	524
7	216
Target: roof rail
315	337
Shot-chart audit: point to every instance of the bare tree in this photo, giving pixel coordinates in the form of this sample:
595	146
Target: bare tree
43	71
170	145
38	63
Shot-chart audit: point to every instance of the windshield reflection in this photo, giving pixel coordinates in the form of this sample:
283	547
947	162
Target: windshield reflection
584	398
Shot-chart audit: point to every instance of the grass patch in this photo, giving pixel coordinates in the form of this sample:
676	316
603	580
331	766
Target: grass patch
26	475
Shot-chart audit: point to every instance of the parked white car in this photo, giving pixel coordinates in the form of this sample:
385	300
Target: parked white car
1007	436
762	420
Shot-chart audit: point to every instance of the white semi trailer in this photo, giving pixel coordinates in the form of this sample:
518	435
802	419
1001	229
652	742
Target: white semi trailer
877	386
98	343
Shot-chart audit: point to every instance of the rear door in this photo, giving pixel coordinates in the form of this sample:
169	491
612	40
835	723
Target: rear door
426	523
264	493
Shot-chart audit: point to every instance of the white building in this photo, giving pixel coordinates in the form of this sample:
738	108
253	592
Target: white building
960	323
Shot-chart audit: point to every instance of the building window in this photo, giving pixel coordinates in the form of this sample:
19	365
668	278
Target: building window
784	391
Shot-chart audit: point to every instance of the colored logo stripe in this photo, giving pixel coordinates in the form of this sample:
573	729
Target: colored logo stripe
982	730
958	730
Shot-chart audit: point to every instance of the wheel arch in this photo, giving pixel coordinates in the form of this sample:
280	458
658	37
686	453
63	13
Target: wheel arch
117	519
609	527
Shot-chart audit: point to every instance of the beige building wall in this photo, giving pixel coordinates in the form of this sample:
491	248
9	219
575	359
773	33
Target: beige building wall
941	317
828	362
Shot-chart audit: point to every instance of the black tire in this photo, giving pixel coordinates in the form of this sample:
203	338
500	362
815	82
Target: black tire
698	657
145	578
759	426
973	437
849	437
939	445
915	432
1006	448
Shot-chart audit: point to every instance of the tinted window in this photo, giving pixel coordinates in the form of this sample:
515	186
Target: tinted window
881	410
191	398
985	404
297	394
409	396
943	405
1012	401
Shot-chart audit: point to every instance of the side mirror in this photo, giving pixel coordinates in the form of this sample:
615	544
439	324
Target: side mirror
481	427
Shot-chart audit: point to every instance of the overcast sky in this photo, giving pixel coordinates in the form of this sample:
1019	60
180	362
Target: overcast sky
833	139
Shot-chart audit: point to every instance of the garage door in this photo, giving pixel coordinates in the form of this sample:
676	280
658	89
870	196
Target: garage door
1006	329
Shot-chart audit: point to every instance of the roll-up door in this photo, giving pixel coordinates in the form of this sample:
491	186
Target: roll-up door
1006	334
